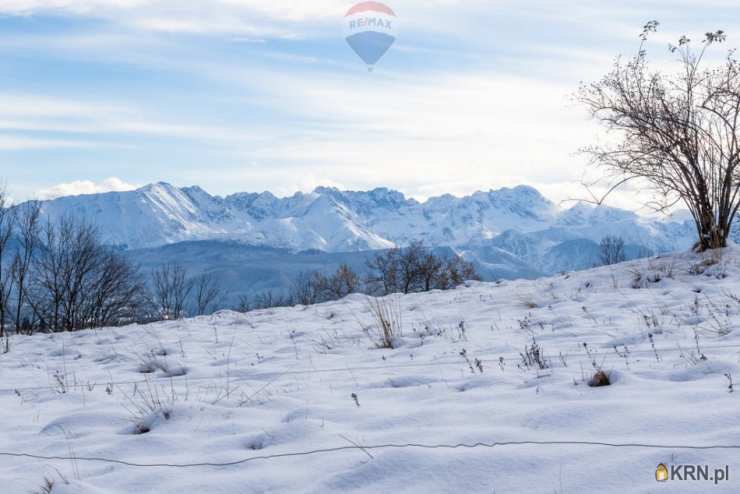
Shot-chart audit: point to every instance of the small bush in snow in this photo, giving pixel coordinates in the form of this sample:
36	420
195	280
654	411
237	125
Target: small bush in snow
147	405
533	357
388	320
600	379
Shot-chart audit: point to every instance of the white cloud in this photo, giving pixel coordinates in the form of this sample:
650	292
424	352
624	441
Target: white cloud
25	113
20	143
500	122
463	19
253	17
81	187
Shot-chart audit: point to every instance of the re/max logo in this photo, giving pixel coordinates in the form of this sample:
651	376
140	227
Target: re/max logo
699	473
371	22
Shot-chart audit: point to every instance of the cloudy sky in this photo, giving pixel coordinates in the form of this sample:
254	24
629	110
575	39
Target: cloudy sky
252	95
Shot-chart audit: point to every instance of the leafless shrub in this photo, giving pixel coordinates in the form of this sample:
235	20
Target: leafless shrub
27	230
533	357
388	320
315	287
676	131
455	272
206	294
171	290
611	250
307	288
147	404
719	321
269	299
244	304
7	222
384	272
342	283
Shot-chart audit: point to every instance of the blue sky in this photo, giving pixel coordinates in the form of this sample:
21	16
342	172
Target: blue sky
252	95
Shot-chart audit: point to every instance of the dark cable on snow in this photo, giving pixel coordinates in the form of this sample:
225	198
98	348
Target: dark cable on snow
364	449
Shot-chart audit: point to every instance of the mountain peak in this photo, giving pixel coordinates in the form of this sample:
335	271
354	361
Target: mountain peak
326	190
334	220
156	185
521	194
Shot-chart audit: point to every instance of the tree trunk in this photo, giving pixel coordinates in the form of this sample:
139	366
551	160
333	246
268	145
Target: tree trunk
711	235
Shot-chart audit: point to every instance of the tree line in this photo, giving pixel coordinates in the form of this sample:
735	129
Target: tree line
415	268
58	275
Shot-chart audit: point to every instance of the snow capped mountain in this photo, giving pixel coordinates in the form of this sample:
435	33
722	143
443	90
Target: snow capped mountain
160	214
510	229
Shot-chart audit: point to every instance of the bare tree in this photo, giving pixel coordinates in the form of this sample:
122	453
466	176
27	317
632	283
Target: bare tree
28	225
171	290
268	300
244	304
420	269
677	132
409	271
430	267
7	221
315	287
76	282
308	288
117	293
611	250
206	293
455	272
384	272
417	268
51	269
82	251
342	283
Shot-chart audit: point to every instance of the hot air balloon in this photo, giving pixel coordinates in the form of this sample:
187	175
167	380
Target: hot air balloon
370	28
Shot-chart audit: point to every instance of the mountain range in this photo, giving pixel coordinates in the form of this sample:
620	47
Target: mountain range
509	232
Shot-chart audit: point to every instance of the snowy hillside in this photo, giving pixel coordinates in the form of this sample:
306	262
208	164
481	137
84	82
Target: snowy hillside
301	400
336	221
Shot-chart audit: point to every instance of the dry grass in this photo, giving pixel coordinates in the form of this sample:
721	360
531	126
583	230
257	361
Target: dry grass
46	488
148	403
388	320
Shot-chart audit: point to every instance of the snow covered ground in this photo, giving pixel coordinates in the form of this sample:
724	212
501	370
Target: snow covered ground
272	383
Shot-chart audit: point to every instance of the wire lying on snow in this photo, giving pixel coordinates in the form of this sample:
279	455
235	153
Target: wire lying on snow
364	449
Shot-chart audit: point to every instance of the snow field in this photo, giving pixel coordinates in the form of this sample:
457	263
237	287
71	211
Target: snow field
234	387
